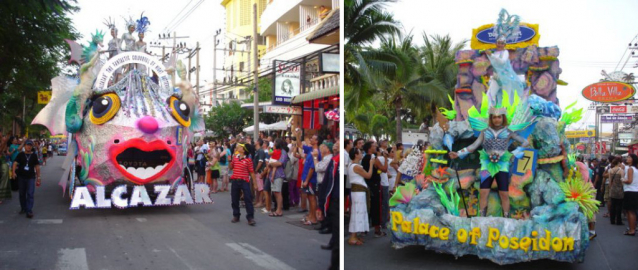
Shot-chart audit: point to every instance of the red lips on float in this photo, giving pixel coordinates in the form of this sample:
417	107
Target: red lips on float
141	161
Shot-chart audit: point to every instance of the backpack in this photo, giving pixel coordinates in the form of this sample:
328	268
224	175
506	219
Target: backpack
223	158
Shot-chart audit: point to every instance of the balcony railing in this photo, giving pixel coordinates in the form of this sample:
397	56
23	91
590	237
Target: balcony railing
322	82
291	34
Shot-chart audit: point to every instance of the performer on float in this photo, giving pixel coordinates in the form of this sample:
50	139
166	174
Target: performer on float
115	43
140	45
128	38
495	137
142	27
504	78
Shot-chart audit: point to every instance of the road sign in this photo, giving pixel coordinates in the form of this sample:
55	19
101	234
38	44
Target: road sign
617	118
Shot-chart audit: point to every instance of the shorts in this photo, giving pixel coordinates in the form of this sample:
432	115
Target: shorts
501	180
276	185
267	185
606	196
201	171
630	201
311	189
260	182
223	170
214	174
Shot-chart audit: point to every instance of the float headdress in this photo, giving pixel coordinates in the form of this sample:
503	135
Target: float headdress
110	24
507	26
129	22
142	24
98	37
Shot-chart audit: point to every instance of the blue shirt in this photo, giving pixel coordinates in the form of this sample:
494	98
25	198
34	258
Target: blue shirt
309	164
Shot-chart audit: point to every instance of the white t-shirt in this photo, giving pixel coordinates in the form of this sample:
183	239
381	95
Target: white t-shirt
392	174
633	187
354	177
384	175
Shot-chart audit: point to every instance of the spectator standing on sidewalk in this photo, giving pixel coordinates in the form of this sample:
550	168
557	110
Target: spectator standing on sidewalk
27	168
242	168
276	180
309	175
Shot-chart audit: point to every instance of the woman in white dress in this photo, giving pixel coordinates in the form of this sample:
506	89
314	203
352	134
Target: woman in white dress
358	195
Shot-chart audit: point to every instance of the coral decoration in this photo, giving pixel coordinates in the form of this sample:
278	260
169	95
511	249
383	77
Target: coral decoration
572	116
451	203
581	192
403	195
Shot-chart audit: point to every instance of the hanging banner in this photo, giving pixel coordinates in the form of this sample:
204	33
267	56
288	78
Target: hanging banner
608	92
294	110
286	82
580	133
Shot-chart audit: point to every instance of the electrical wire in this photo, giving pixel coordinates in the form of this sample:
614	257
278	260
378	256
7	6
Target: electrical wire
166	27
186	16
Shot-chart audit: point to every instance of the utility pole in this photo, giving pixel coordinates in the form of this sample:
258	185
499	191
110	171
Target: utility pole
173	51
189	67
197	70
214	90
256	75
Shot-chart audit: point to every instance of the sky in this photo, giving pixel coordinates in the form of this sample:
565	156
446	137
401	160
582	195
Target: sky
200	25
591	35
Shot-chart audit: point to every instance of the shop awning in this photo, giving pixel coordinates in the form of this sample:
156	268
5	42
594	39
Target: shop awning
330	91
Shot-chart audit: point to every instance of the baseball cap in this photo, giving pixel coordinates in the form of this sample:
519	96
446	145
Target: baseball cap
28	142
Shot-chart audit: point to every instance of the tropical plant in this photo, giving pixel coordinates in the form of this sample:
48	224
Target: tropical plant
227	119
33	51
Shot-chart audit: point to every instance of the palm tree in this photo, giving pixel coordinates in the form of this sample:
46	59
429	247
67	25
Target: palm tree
365	22
438	54
407	85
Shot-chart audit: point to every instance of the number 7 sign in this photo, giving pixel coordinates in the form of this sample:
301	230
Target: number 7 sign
526	163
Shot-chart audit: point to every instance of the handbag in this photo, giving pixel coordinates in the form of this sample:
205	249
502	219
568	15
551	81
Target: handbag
615	186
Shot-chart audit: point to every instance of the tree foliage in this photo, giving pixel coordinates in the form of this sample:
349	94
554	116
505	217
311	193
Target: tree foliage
227	119
32	52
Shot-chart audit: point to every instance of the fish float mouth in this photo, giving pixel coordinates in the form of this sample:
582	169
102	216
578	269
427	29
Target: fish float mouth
141	161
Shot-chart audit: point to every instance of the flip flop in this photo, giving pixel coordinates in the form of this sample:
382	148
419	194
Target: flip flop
357	243
629	234
307	222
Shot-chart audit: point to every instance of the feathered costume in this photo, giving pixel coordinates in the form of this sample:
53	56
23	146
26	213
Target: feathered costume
495	157
504	78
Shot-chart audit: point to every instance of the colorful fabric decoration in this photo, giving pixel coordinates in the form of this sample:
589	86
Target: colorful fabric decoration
403	194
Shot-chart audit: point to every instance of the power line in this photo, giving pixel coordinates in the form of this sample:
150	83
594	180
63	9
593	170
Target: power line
186	15
166	27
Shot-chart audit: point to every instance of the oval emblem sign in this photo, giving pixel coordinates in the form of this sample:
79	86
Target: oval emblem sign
607	92
487	35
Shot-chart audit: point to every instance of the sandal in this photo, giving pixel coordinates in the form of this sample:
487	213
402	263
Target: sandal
380	234
309	223
356	243
629	234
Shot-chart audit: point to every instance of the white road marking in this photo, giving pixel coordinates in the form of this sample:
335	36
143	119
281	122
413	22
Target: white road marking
259	257
181	259
141	219
72	259
47	221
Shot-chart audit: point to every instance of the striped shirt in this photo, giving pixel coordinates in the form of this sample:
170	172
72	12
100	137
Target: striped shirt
242	168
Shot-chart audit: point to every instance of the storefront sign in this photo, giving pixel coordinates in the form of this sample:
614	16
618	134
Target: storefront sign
295	110
580	133
329	63
618	109
608	92
287	81
44	97
584	140
617	118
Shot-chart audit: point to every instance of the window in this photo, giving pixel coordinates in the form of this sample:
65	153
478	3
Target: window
246	11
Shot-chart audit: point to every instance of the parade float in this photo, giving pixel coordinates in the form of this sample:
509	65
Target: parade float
128	126
498	179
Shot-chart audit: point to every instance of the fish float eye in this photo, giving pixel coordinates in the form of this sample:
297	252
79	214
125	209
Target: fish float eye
104	108
180	111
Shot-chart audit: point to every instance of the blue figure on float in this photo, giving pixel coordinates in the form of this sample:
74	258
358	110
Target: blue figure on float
504	77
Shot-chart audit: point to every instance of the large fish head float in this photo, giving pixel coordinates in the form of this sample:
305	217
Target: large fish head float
135	131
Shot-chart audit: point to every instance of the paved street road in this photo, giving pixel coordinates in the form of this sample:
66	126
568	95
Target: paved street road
182	237
610	250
